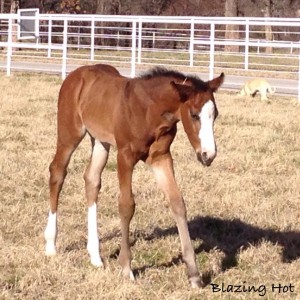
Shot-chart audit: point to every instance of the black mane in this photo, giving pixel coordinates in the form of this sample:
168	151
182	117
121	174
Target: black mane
163	72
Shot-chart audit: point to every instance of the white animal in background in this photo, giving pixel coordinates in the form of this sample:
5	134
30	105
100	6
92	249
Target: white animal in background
257	85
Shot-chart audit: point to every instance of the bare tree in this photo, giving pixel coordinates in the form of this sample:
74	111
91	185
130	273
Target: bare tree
268	28
100	7
156	7
30	4
14	6
1	6
13	9
232	30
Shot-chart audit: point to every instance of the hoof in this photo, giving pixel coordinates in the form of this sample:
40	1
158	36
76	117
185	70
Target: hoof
131	276
128	274
97	262
196	282
50	250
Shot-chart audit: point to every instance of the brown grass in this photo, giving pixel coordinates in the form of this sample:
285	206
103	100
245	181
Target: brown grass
243	211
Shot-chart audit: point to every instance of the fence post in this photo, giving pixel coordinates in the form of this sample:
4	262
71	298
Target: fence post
247	44
133	48
93	39
140	38
118	40
65	48
192	37
9	46
37	29
212	51
299	75
49	36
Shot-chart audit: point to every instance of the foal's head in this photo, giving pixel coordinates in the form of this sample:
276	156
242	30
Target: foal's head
198	113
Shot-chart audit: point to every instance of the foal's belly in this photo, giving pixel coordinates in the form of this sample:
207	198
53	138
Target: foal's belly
98	118
100	130
102	135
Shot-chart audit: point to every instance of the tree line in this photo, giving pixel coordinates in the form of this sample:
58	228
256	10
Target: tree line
243	8
227	8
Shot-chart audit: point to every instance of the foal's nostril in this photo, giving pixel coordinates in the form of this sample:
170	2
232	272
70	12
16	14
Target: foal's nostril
204	158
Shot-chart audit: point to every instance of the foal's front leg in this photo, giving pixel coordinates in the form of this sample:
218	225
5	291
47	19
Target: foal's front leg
126	210
164	174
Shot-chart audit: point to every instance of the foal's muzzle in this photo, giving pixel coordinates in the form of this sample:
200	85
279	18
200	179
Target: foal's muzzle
205	158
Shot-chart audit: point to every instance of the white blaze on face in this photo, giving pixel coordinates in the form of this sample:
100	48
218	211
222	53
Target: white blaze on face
206	134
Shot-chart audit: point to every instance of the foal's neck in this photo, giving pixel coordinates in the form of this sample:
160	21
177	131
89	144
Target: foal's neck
161	90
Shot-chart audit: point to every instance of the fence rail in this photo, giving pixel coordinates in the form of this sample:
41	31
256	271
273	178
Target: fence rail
194	44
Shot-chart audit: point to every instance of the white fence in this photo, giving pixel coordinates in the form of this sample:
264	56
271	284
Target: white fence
193	44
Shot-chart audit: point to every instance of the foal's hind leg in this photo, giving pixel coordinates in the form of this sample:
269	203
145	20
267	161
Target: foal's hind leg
66	144
164	174
92	179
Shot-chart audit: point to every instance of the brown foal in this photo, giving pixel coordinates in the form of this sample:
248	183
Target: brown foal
139	117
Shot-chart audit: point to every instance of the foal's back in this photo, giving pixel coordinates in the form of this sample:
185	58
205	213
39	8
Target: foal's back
88	99
84	82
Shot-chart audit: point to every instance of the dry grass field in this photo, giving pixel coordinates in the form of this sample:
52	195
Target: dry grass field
243	211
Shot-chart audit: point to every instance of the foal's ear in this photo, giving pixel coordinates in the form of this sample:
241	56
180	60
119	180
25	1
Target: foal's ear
215	83
184	91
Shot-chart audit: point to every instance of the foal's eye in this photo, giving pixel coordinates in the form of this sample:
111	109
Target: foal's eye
195	116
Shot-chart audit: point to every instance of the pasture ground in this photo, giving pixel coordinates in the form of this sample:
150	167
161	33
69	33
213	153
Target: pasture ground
243	211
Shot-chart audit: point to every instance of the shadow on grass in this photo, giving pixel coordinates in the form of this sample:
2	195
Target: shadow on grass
230	237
